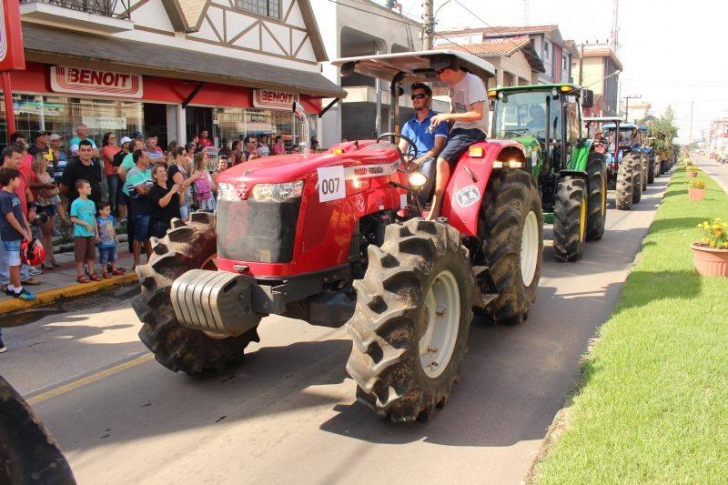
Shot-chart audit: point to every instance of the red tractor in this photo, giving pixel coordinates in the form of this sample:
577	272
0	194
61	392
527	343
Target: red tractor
338	238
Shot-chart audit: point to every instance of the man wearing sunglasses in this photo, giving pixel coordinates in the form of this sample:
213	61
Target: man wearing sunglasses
469	118
429	143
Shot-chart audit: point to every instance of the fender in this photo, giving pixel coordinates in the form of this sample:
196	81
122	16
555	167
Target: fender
466	189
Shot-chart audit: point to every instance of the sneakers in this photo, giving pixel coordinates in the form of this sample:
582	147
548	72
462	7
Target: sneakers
24	295
33	271
3	348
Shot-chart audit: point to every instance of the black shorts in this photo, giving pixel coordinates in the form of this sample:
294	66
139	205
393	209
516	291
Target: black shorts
458	142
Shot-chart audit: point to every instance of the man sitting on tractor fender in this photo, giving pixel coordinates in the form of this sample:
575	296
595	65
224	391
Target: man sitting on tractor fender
429	142
469	117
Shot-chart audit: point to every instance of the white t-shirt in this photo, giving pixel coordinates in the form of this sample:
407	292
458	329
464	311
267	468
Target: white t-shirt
468	91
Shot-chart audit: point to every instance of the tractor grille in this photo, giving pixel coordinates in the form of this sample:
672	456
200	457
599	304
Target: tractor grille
258	232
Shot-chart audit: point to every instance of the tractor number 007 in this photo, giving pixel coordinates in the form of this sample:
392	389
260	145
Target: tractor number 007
330	186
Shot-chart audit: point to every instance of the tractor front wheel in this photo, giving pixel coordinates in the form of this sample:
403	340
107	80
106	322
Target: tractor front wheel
511	231
570	218
597	210
185	247
410	327
651	169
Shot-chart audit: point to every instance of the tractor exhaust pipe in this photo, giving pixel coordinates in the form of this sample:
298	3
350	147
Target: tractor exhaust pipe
302	115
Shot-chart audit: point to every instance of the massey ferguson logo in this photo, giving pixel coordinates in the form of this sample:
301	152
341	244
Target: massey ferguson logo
372	171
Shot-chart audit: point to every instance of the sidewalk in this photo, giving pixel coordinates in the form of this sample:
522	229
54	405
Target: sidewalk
719	173
61	283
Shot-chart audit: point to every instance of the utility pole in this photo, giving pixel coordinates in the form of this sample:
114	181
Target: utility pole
581	66
626	108
428	26
692	104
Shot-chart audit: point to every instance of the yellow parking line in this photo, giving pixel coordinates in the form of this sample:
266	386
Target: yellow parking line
89	379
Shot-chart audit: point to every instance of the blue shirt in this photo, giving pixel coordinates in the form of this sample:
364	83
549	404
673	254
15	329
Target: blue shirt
416	130
84	210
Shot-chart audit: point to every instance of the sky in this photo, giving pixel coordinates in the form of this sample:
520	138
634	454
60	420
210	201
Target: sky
673	52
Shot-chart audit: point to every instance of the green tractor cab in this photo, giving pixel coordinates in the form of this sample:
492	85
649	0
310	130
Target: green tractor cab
547	120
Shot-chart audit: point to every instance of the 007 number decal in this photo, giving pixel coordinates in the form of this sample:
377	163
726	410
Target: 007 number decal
331	183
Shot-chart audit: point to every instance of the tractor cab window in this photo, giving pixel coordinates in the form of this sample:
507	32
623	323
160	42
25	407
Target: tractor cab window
521	114
573	126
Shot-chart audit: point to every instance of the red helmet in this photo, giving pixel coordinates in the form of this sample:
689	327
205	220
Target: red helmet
32	253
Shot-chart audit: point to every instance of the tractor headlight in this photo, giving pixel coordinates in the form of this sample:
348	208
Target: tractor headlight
416	180
229	192
277	192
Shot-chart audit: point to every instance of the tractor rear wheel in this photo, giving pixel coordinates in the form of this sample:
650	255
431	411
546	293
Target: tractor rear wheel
410	327
596	169
645	171
185	247
570	218
625	185
28	452
511	231
651	169
635	162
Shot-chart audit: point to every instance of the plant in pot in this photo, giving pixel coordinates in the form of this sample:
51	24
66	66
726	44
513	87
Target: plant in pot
696	190
692	171
711	253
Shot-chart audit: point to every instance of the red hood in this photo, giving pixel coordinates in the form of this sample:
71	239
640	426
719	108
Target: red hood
289	168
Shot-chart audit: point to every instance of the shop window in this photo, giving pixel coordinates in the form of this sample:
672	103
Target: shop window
268	8
59	114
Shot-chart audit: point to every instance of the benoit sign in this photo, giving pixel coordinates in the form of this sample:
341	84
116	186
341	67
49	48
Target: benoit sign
77	80
264	98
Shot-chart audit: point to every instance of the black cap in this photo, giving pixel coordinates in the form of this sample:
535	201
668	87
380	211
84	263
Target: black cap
40	133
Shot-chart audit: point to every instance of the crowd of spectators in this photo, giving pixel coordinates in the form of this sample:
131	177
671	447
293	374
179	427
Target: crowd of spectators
128	182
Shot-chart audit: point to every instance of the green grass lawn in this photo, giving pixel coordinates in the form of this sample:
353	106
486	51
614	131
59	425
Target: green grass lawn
653	405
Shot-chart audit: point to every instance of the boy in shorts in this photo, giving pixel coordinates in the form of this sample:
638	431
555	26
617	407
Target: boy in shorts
85	232
14	228
108	241
469	115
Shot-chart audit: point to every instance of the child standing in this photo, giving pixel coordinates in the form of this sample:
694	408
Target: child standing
13	229
108	241
85	231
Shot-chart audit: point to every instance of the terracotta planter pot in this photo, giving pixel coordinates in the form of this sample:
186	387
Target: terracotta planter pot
692	174
710	262
696	194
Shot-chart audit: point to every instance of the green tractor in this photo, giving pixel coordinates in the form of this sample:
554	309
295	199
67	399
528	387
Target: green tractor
572	179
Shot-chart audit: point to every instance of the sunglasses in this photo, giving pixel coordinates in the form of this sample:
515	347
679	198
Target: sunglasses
418	96
439	71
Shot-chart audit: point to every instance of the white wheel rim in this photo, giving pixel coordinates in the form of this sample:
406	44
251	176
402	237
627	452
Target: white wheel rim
529	248
440	324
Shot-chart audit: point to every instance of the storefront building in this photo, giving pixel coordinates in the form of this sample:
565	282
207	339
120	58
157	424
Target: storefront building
155	79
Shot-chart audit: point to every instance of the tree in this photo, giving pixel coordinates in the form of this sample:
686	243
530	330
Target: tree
664	130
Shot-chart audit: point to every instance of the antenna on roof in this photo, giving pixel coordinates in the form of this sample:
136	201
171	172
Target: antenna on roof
615	27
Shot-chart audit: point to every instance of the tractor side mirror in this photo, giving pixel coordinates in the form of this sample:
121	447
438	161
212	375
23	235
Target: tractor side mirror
587	98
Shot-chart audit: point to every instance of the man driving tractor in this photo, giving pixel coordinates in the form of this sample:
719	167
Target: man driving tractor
470	123
429	142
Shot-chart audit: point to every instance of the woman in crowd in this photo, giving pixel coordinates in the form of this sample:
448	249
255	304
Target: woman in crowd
204	185
263	148
166	197
180	173
120	209
278	147
59	165
108	152
47	200
236	155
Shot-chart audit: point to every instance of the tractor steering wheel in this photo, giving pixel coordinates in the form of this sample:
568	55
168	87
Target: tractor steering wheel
409	142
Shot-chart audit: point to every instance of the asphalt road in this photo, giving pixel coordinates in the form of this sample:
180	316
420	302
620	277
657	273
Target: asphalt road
288	415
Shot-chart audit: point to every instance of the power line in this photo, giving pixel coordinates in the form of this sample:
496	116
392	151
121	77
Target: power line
486	23
686	85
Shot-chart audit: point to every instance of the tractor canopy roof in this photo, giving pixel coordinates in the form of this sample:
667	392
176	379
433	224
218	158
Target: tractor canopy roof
625	126
564	87
604	119
414	66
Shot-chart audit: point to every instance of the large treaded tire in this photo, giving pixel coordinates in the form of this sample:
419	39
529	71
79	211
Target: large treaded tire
596	169
625	186
635	162
387	325
570	218
28	452
185	247
509	198
651	169
645	171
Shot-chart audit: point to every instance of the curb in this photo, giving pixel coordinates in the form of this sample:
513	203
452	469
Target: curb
50	296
